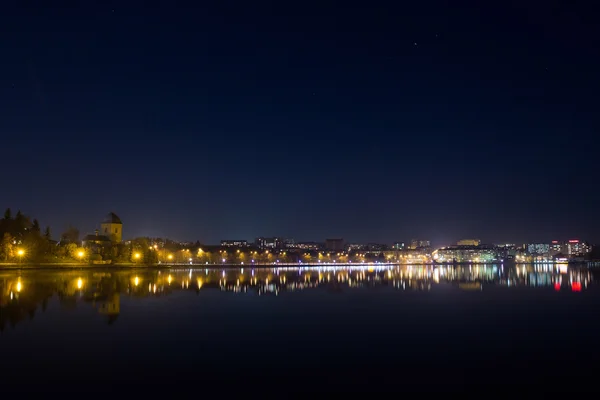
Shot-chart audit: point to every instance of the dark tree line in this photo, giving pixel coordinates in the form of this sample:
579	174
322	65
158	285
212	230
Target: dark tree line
22	239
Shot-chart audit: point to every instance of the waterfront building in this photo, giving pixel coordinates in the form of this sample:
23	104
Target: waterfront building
577	248
462	254
570	248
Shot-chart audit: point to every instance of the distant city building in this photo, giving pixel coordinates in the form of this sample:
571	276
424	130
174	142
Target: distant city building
538	249
571	248
462	254
355	247
576	248
469	242
269	243
309	246
334	244
234	243
556	246
376	247
506	245
415	244
399	246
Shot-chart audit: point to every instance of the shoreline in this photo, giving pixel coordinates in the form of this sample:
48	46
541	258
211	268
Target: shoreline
66	266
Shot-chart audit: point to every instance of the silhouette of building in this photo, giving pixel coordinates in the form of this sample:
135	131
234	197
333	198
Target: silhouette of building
334	244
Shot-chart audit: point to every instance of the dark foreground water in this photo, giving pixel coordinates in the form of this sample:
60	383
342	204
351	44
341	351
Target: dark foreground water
281	332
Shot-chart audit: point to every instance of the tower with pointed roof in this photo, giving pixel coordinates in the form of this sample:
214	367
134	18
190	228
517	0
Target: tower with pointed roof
112	227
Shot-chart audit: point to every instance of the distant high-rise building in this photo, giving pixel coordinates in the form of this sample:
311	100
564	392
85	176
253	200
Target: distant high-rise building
334	244
469	242
577	248
399	246
415	244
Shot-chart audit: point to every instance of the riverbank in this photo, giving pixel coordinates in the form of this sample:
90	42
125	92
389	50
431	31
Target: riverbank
77	265
73	265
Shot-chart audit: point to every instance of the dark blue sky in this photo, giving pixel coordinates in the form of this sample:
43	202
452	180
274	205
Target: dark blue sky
237	120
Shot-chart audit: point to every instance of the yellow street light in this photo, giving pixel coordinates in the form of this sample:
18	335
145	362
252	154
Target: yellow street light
137	255
80	254
20	253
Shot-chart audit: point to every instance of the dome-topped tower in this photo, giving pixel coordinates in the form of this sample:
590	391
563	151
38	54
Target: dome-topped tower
112	227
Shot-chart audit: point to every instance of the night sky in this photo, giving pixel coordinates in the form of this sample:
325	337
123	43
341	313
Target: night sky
233	120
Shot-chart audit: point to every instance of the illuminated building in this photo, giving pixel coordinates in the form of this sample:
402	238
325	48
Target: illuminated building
112	227
571	248
577	248
469	242
355	247
234	243
399	246
462	254
538	248
309	245
269	243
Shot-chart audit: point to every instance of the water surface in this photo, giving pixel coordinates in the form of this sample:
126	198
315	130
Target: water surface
337	329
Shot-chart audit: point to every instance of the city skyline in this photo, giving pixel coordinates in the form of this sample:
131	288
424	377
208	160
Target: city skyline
417	121
127	235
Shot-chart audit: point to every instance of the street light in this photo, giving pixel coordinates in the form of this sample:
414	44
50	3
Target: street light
20	253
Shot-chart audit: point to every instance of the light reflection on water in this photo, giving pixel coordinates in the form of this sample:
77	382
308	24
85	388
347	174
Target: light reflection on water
22	292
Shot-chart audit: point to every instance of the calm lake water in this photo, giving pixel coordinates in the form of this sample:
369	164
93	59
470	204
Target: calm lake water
300	330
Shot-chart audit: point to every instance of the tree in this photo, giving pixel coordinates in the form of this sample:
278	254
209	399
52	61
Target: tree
71	250
7	246
71	235
7	214
47	233
21	223
35	226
